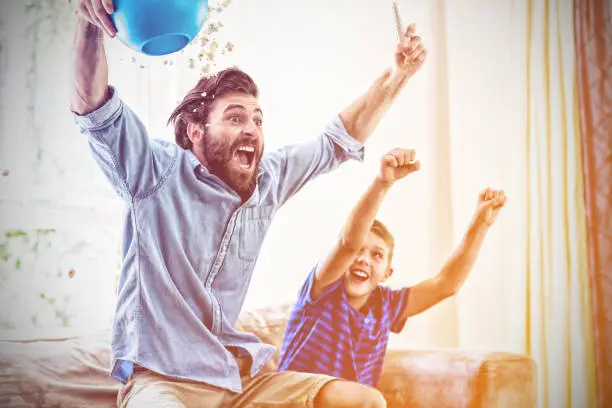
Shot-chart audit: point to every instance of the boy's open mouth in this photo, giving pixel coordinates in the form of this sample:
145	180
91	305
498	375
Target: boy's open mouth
359	275
245	156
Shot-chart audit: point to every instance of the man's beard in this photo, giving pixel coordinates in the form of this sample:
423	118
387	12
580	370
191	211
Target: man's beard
219	157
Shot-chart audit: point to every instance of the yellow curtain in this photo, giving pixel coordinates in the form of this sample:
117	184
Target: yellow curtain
513	125
558	317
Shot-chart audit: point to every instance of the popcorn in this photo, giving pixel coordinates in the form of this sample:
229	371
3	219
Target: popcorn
214	45
213	28
206	45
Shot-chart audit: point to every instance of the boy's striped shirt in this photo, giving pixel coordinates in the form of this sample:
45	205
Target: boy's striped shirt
328	336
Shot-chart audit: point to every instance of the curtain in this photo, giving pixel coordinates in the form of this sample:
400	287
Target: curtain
558	318
513	117
593	34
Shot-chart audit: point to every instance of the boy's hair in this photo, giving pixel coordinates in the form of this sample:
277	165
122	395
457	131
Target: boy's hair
195	107
381	230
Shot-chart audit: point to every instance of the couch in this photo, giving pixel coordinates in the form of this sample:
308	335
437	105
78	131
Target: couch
73	371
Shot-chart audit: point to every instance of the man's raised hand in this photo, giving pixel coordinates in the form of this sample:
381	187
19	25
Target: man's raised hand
97	12
411	53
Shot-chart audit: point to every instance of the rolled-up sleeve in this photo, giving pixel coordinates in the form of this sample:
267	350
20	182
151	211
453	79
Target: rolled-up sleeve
296	164
398	299
121	147
351	148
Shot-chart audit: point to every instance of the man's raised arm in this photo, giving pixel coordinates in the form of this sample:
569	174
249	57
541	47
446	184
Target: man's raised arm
362	116
345	136
90	68
118	139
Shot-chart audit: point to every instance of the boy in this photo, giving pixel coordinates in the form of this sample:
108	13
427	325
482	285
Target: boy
341	321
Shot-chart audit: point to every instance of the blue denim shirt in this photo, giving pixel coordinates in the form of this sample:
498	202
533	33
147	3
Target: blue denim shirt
190	245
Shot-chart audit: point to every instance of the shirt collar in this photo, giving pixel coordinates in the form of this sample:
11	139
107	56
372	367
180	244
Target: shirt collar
195	162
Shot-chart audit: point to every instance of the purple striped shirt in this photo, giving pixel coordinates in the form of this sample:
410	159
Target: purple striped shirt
328	336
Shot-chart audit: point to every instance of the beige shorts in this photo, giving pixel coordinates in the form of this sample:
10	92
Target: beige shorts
273	389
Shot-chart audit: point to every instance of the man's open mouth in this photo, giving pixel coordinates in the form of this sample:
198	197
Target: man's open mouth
359	275
245	156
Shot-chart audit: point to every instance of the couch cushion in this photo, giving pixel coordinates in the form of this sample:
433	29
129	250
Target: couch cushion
64	372
458	378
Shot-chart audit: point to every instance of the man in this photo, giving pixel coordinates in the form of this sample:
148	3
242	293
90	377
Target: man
196	215
341	321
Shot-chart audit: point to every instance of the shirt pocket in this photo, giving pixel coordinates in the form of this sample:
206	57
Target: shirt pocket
253	228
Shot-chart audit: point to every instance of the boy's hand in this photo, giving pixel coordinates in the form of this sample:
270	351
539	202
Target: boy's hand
397	164
490	202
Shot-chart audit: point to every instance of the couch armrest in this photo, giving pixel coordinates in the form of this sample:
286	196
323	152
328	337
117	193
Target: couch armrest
449	378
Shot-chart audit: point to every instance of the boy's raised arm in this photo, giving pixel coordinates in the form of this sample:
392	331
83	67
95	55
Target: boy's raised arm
394	165
449	280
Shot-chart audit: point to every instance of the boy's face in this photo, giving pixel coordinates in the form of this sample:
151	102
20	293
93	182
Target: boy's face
370	268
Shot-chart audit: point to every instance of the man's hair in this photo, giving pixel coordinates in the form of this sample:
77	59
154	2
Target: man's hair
379	229
195	106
